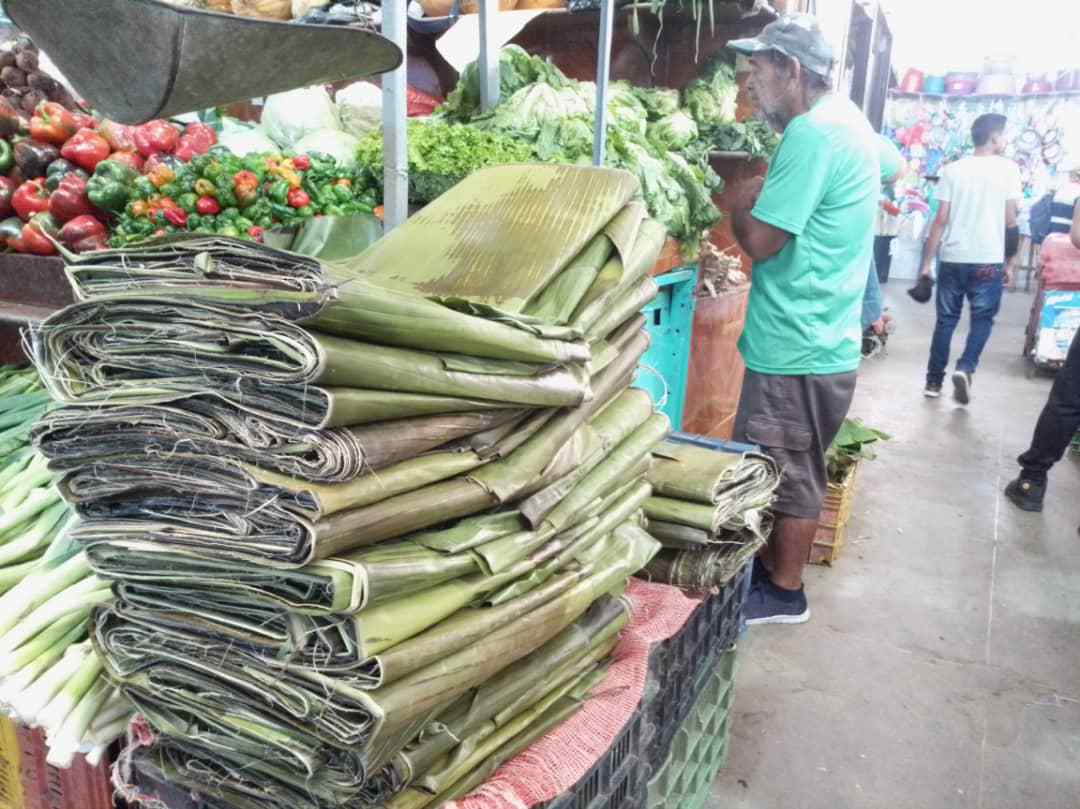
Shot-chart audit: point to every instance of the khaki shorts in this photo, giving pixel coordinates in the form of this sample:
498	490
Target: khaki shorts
795	419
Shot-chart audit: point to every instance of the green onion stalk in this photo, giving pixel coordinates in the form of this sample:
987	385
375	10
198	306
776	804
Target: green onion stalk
50	675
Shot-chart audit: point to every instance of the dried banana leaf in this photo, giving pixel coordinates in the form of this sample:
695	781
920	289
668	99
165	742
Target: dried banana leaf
688	472
703	569
536	219
135	347
682	512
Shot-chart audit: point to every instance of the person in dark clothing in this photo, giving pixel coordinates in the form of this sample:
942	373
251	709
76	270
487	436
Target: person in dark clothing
1056	427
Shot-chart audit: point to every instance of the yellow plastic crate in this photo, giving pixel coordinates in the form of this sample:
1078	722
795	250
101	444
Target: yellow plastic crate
835	514
11	796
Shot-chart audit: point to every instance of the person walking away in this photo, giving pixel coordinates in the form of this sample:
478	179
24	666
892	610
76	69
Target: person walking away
975	223
1063	205
873	307
808	226
1058	423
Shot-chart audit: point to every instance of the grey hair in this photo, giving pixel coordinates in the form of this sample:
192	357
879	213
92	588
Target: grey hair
810	79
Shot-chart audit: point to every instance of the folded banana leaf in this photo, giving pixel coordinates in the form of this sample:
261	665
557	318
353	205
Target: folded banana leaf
687	472
704	569
152	349
536	219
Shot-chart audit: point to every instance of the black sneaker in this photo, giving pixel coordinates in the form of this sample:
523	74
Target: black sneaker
769	604
932	391
1026	495
962	383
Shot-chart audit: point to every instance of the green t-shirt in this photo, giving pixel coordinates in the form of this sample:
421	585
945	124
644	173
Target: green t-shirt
804	315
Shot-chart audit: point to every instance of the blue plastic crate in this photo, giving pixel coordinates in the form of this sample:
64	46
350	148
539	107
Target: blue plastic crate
669	319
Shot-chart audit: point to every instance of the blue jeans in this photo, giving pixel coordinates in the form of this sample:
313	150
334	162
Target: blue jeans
982	285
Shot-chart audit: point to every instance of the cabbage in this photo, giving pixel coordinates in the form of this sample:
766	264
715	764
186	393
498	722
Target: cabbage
288	117
673	132
339	145
527	111
243	139
360	108
624	110
658	101
517	69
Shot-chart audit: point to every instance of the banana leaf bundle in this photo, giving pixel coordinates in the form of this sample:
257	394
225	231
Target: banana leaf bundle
710	511
702	495
368	521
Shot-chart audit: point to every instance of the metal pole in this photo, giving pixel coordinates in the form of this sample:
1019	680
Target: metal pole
395	134
603	71
489	56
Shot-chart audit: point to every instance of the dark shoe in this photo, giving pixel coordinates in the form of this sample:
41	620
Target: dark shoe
962	382
769	604
1026	495
932	391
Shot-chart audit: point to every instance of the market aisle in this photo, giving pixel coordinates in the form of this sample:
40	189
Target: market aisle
941	667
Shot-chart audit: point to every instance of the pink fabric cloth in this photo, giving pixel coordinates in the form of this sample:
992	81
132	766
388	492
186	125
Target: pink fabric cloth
561	758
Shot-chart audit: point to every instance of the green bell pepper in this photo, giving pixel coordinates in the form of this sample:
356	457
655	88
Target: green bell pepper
58	170
111	186
143	188
7	156
279	192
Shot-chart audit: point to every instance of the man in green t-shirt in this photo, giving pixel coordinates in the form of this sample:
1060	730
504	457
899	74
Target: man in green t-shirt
809	229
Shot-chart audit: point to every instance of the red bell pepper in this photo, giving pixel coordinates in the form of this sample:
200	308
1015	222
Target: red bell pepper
121	137
131	159
52	123
302	162
298	198
7	189
90	244
81	228
177	217
84	121
86	149
207	206
30	198
196	140
156	137
256	233
69	200
33	240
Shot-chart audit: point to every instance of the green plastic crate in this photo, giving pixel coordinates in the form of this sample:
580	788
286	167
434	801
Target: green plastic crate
669	319
700	747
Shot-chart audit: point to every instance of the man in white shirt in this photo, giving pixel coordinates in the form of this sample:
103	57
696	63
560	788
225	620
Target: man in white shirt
975	230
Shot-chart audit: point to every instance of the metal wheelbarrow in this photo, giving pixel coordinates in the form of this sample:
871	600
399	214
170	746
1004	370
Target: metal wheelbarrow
135	60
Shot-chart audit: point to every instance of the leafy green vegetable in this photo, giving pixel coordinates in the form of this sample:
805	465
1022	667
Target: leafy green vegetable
673	132
754	137
442	154
517	69
853	443
658	101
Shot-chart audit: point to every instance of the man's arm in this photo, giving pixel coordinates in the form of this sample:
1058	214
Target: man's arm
1012	213
933	241
758	240
1074	234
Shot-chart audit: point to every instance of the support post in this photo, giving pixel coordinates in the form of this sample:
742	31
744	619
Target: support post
603	74
395	133
489	56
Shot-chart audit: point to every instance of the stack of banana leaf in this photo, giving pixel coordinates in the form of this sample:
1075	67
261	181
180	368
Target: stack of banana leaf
709	509
368	523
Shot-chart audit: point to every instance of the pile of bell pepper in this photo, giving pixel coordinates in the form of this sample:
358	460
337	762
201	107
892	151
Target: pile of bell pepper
223	194
91	183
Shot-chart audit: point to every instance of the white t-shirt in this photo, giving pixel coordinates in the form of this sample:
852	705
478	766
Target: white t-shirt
977	189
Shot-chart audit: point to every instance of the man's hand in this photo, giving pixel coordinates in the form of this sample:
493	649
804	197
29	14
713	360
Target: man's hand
927	270
1010	273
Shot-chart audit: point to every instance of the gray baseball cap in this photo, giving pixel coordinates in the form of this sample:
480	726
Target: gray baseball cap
796	35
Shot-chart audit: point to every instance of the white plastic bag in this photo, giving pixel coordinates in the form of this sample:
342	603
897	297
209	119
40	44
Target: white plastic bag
244	139
360	108
340	145
288	117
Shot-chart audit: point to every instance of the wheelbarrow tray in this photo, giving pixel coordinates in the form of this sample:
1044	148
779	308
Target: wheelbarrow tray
135	60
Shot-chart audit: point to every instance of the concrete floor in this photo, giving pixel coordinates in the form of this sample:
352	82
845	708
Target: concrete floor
941	665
